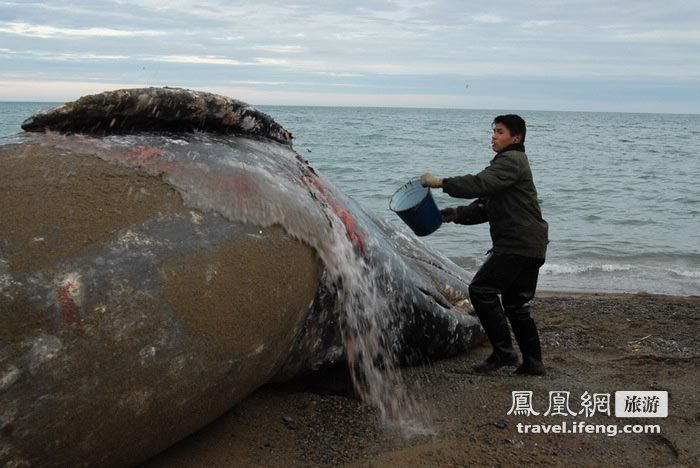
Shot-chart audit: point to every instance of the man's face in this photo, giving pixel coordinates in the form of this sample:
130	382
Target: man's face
502	138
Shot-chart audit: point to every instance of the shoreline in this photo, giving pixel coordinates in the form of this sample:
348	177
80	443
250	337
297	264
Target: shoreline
610	294
592	342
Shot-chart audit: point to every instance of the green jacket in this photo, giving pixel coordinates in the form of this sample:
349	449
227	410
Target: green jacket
507	199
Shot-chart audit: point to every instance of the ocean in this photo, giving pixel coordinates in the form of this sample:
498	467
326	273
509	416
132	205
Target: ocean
620	191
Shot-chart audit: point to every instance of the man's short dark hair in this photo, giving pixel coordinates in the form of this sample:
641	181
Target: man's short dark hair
514	123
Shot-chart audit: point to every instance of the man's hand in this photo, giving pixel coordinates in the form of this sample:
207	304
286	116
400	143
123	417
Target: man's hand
429	180
449	215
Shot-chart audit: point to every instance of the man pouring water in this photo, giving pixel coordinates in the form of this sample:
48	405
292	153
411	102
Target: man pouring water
505	284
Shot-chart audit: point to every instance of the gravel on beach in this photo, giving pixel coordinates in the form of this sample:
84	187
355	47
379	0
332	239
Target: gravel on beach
594	343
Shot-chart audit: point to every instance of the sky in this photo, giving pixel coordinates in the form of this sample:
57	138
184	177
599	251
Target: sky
622	55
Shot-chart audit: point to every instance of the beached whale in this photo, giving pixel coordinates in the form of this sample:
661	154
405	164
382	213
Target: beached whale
165	252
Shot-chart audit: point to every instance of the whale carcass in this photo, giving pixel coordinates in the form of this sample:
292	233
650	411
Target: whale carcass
164	252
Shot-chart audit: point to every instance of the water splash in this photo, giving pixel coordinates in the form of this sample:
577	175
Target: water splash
369	324
370	314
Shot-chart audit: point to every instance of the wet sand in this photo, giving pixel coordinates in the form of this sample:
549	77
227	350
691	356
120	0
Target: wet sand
595	343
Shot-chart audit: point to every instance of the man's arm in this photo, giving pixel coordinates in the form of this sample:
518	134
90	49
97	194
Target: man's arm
501	173
474	213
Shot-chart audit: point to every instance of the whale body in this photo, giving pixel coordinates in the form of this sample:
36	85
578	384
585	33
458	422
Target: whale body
164	252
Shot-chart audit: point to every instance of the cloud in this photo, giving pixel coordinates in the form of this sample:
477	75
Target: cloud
55	91
203	60
660	35
213	60
271	61
43	31
313	84
534	24
84	56
75	56
335	74
282	49
489	19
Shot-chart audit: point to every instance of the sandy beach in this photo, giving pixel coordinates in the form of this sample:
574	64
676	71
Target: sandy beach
595	343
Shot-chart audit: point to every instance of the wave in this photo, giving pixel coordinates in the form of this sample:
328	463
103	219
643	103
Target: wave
557	269
627	270
609	277
695	274
605	254
635	222
620	278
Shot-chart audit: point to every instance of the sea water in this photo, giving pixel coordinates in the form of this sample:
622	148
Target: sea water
620	191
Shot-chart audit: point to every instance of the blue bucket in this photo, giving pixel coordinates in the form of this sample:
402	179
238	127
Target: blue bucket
415	205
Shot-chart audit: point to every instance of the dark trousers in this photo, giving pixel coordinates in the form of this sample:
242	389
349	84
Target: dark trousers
503	287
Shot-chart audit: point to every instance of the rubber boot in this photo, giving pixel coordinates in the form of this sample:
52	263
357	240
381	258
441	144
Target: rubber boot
528	339
493	319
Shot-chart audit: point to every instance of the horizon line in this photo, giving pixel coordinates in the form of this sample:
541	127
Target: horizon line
410	107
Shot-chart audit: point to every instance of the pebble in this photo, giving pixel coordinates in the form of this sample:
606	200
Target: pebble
289	422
